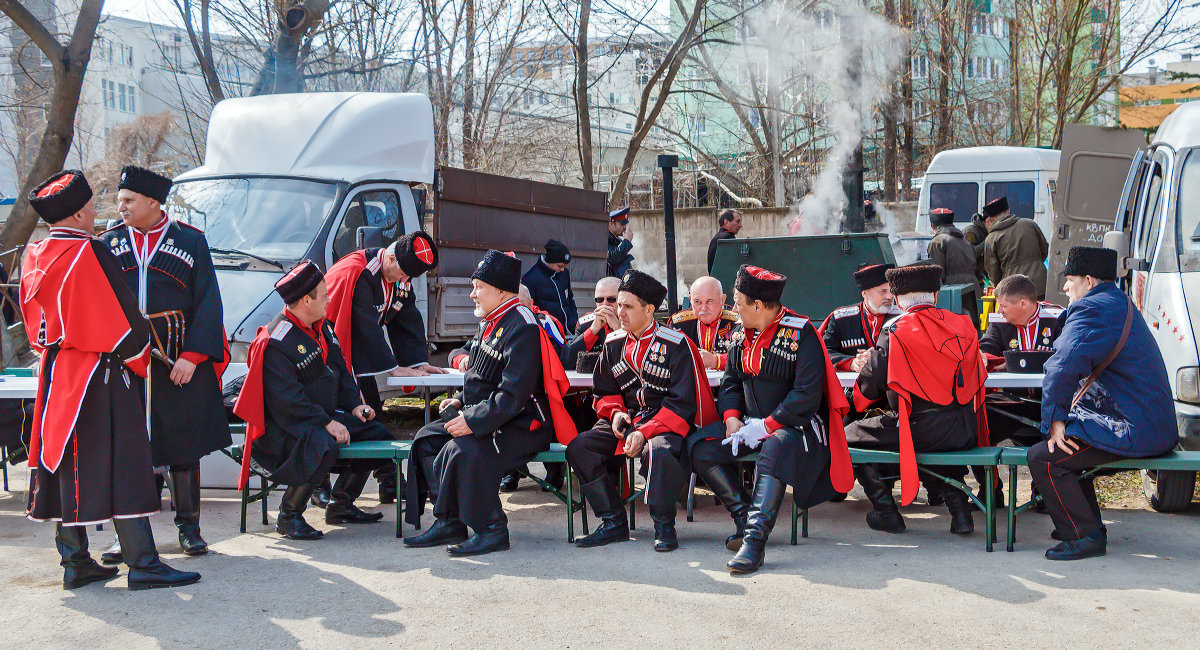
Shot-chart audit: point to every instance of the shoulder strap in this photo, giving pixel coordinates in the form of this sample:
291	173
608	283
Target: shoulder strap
1111	355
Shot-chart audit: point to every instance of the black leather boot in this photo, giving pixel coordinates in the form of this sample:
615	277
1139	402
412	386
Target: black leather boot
934	492
291	523
146	570
726	483
606	503
79	568
322	494
442	532
388	480
556	474
768	496
185	486
665	539
342	510
493	537
113	554
1093	545
508	482
884	515
961	521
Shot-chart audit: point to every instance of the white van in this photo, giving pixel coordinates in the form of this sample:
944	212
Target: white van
963	180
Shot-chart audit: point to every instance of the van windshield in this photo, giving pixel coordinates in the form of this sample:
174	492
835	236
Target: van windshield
1189	201
272	218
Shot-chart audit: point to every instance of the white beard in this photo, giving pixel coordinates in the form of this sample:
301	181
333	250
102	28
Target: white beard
478	312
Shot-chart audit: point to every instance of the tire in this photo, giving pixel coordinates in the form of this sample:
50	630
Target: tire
1168	491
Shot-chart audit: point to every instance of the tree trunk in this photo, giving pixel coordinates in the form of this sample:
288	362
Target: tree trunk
906	109
889	122
583	114
468	125
69	68
944	113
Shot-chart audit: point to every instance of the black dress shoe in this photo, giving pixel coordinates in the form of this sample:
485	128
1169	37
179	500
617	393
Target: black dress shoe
1093	545
665	539
295	527
1059	538
348	513
439	534
146	569
160	577
322	495
509	482
113	554
491	540
555	476
75	577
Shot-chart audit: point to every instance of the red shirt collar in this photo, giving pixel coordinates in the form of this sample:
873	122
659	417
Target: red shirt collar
756	343
636	347
872	323
154	233
496	314
313	332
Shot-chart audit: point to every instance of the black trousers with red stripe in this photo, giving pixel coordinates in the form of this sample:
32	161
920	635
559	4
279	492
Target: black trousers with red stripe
1070	500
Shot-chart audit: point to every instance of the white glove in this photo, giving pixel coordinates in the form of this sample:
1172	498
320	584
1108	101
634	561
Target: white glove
751	435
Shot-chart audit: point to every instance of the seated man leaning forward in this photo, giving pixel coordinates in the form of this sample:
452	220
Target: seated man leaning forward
651	392
928	366
707	323
850	332
780	377
1105	397
511	410
300	402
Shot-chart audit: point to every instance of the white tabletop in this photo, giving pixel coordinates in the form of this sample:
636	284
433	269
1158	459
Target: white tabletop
12	387
454	379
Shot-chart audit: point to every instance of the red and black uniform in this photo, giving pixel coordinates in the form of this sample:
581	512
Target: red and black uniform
512	401
1039	333
169	270
89	453
716	338
658	379
927	364
850	330
784	376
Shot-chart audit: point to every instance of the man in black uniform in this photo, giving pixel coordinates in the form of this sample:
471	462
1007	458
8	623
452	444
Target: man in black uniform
300	401
707	323
506	418
927	366
595	325
620	259
651	392
374	313
780	377
850	332
167	266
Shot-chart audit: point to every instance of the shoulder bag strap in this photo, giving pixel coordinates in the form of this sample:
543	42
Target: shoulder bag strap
1111	355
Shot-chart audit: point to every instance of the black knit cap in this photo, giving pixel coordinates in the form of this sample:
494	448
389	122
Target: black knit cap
557	252
145	182
1100	263
869	277
501	270
941	217
416	253
757	283
299	282
60	196
918	278
995	208
645	287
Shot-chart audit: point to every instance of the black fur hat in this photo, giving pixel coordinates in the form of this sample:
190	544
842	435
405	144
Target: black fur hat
145	182
643	286
302	279
60	196
1100	263
941	217
500	270
869	277
995	208
416	253
918	278
757	283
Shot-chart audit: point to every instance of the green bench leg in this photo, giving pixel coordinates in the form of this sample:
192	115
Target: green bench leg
399	498
1012	507
990	511
245	497
571	507
799	516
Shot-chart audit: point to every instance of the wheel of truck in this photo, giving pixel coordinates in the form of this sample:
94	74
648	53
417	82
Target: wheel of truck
1168	491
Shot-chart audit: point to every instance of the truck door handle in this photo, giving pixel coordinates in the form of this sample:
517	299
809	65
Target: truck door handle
1063	231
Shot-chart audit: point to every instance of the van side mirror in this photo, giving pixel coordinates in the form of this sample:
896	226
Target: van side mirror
368	237
1119	241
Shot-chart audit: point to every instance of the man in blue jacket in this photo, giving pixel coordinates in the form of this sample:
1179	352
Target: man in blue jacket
1126	412
549	283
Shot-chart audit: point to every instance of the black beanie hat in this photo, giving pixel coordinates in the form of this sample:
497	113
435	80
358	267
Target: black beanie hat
649	290
60	196
869	277
302	279
757	283
996	207
416	253
941	217
145	182
557	252
501	270
918	278
1100	263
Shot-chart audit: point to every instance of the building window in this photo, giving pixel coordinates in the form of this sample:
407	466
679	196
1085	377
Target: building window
121	95
920	67
920	111
130	99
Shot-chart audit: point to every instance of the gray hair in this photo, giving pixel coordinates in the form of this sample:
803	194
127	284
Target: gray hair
910	300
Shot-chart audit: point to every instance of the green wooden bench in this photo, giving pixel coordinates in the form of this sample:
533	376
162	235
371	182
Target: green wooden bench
1014	457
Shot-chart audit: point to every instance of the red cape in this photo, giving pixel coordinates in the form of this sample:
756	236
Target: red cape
340	281
249	405
934	355
556	384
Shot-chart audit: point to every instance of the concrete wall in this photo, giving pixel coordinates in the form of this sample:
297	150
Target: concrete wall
695	227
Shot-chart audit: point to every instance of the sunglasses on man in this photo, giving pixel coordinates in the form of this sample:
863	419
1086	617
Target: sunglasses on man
609	299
